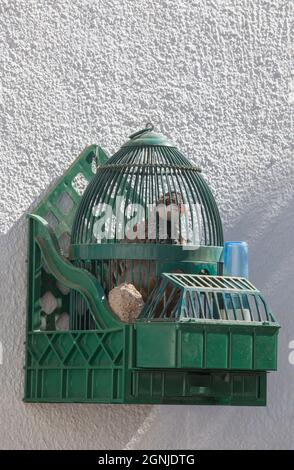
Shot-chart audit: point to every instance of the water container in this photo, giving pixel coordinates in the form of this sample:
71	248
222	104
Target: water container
236	259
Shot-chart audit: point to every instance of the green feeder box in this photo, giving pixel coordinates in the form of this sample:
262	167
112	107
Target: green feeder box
127	301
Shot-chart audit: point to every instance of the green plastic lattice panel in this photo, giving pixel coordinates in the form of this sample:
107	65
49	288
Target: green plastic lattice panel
75	366
48	299
60	205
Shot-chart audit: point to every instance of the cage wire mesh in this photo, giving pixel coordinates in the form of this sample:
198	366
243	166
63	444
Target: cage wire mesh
186	297
152	177
168	197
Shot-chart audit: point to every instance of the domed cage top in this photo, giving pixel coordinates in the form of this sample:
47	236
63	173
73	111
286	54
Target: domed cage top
146	219
147	172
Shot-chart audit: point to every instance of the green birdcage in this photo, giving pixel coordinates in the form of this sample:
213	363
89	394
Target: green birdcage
144	217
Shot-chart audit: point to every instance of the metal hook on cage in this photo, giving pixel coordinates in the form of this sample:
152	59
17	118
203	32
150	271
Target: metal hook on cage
149	128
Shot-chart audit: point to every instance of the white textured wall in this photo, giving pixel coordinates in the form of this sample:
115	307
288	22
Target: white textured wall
215	77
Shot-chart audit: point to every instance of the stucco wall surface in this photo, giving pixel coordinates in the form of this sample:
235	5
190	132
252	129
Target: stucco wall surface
215	77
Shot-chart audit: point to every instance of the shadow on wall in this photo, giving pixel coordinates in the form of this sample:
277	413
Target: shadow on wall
41	426
271	238
111	426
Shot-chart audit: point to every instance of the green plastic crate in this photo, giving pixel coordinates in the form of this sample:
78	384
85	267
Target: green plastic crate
209	356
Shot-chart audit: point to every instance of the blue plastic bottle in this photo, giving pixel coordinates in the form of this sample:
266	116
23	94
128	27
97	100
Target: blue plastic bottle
236	259
236	264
